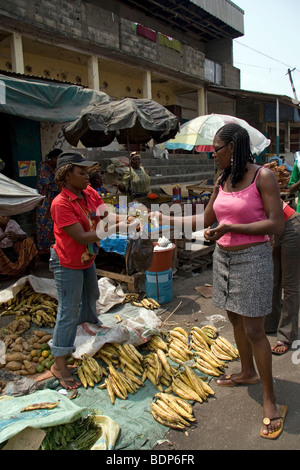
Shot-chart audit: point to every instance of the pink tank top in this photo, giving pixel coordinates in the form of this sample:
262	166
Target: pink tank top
241	207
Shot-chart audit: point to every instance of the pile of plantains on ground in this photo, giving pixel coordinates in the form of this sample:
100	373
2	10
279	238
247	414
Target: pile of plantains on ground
171	362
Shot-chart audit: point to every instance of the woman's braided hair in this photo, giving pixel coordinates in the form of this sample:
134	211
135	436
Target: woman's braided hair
61	173
241	152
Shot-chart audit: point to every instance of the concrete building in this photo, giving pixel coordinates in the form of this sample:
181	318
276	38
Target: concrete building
168	51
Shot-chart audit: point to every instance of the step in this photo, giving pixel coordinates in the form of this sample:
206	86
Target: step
178	170
182	178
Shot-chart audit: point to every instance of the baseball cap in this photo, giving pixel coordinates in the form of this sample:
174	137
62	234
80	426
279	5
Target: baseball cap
76	158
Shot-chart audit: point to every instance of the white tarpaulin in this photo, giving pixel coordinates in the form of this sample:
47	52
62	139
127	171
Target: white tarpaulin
16	198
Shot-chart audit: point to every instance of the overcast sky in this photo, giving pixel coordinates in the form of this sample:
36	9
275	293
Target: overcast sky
270	46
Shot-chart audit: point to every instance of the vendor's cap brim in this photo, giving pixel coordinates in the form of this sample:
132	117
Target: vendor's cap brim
74	158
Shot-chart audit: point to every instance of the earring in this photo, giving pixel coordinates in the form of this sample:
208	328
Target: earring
231	160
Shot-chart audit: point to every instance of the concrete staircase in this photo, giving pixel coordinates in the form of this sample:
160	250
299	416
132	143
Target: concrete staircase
178	169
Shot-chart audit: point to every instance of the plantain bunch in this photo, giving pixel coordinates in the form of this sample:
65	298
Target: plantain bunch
40	309
134	299
89	371
172	411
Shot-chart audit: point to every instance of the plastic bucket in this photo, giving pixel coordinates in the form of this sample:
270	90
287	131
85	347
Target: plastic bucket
159	285
162	259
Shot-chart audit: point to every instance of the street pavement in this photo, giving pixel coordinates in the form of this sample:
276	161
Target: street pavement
230	420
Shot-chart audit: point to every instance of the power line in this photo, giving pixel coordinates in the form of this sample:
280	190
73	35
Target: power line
265	55
260	66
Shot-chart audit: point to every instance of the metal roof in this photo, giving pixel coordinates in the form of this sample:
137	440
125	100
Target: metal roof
248	94
197	19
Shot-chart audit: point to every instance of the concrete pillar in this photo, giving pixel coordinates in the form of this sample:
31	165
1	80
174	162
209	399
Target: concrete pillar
201	108
93	73
147	87
17	58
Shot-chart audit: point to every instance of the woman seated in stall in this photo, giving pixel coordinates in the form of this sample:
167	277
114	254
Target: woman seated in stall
18	253
135	180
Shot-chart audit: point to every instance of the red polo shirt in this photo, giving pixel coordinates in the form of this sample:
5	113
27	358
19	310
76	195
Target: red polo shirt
68	209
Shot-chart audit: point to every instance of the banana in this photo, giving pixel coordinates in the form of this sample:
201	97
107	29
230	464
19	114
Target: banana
164	422
183	403
199	337
159	369
137	304
175	357
176	334
163	413
130	386
110	391
118	379
116	388
220	353
173	403
154	302
184	393
82	377
152	379
118	318
156	341
133	377
164	406
202	333
182	331
133	353
195	383
205	386
164	360
210	330
185	379
181	349
205	368
193	395
132	367
203	355
128	356
227	346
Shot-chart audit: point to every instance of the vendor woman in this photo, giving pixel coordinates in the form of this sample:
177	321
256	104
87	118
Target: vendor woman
17	251
135	180
72	257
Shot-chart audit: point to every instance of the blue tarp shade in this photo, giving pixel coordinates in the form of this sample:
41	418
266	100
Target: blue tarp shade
45	101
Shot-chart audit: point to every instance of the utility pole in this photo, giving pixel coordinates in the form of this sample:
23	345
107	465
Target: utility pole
289	73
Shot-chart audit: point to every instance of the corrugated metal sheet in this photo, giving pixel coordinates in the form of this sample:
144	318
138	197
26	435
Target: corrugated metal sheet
225	10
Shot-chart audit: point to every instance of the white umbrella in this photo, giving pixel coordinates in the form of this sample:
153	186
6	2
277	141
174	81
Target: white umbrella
199	133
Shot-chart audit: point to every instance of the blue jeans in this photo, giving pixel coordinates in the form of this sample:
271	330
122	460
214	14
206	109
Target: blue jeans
77	291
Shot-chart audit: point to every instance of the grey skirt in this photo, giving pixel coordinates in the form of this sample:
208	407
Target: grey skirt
243	280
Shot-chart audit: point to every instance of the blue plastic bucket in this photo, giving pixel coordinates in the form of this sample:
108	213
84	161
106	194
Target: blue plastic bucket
159	285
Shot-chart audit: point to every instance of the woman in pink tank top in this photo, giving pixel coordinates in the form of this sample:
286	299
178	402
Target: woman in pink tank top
245	207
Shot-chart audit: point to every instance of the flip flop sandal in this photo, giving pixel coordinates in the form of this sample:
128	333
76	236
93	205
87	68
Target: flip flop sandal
230	382
267	422
280	344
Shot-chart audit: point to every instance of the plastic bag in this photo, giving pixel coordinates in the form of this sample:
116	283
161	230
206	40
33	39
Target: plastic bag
110	295
138	255
135	330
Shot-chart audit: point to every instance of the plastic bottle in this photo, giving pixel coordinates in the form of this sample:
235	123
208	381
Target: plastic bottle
188	200
176	194
198	200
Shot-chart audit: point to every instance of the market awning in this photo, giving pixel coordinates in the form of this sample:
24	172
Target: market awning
45	101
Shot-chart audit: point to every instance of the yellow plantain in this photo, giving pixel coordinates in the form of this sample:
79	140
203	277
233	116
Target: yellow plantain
227	346
220	353
110	391
164	422
164	406
82	376
173	403
164	360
